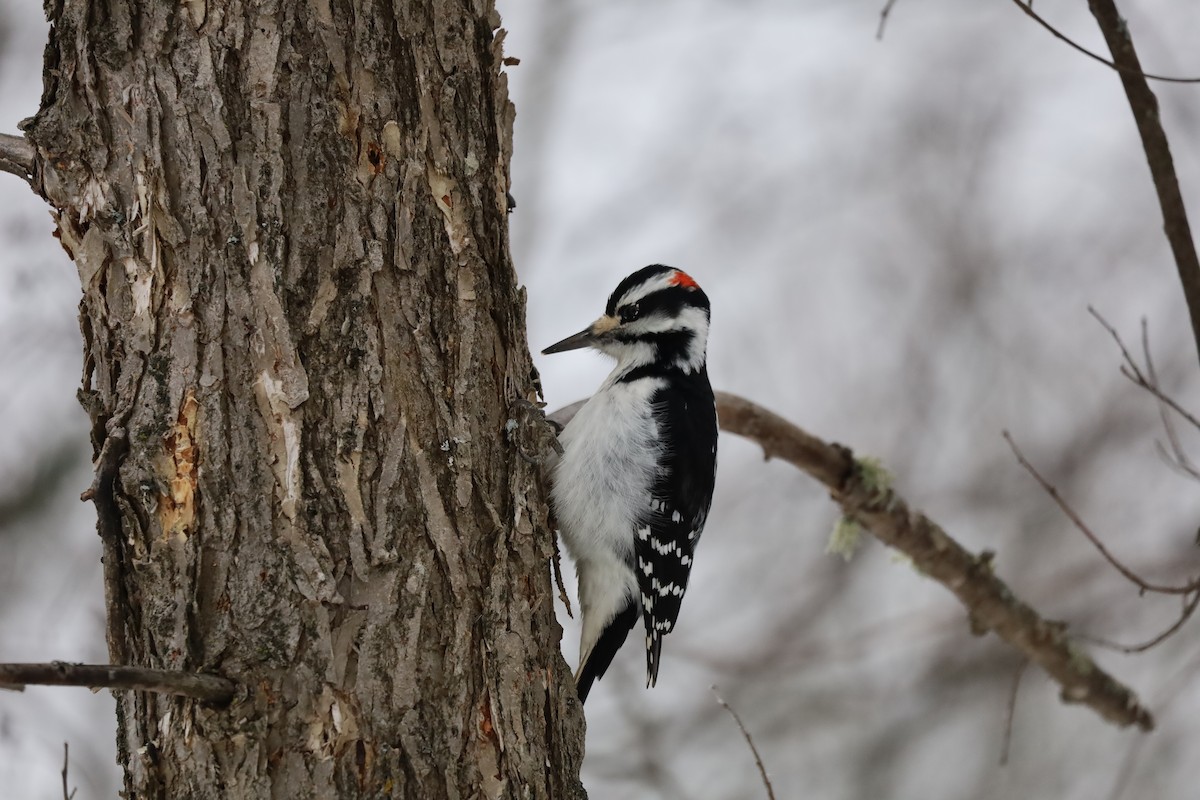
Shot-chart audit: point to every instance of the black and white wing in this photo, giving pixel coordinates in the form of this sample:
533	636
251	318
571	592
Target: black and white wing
665	541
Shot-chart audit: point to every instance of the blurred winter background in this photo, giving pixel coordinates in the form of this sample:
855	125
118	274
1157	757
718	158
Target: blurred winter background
900	239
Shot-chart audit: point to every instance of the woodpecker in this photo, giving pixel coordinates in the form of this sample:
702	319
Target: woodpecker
634	484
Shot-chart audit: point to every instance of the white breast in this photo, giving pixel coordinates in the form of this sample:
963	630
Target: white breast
602	482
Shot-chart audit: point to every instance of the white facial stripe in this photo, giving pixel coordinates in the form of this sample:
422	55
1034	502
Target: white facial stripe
638	292
696	320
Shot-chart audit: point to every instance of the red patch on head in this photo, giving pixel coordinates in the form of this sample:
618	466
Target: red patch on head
684	280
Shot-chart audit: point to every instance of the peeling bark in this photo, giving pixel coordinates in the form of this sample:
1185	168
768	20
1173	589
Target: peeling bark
305	366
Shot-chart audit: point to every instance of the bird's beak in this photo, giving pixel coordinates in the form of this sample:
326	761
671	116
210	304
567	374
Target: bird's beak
586	337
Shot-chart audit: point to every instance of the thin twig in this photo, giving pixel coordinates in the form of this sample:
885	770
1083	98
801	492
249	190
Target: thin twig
1012	712
1137	379
1178	458
1144	106
990	603
556	563
1133	373
67	795
883	18
211	689
17	156
1027	7
1066	508
762	770
1189	607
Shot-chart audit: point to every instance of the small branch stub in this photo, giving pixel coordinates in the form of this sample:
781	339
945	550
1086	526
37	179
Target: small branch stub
17	156
211	689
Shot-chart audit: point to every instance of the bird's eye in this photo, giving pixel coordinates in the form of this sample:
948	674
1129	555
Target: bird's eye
630	313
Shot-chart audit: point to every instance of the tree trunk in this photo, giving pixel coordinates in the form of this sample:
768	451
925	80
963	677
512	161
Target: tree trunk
306	365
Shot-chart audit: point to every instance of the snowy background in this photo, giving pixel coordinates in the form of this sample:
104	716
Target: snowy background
900	239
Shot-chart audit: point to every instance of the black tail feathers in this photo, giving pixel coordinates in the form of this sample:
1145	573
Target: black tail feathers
606	647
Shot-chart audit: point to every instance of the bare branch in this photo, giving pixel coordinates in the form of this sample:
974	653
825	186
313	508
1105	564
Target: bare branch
67	795
1158	153
1027	7
1189	607
1130	575
1133	372
990	603
762	770
1153	389
17	156
211	689
1177	458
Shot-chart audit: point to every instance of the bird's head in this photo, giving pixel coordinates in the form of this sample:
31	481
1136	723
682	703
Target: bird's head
658	315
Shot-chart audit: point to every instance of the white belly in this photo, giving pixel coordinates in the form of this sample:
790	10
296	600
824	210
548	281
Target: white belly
601	488
602	482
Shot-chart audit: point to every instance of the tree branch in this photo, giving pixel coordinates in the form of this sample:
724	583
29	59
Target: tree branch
990	604
1133	372
1158	152
17	156
1189	607
1189	588
211	689
989	601
1027	7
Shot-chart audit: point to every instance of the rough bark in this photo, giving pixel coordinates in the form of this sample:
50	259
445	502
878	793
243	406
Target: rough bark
305	362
